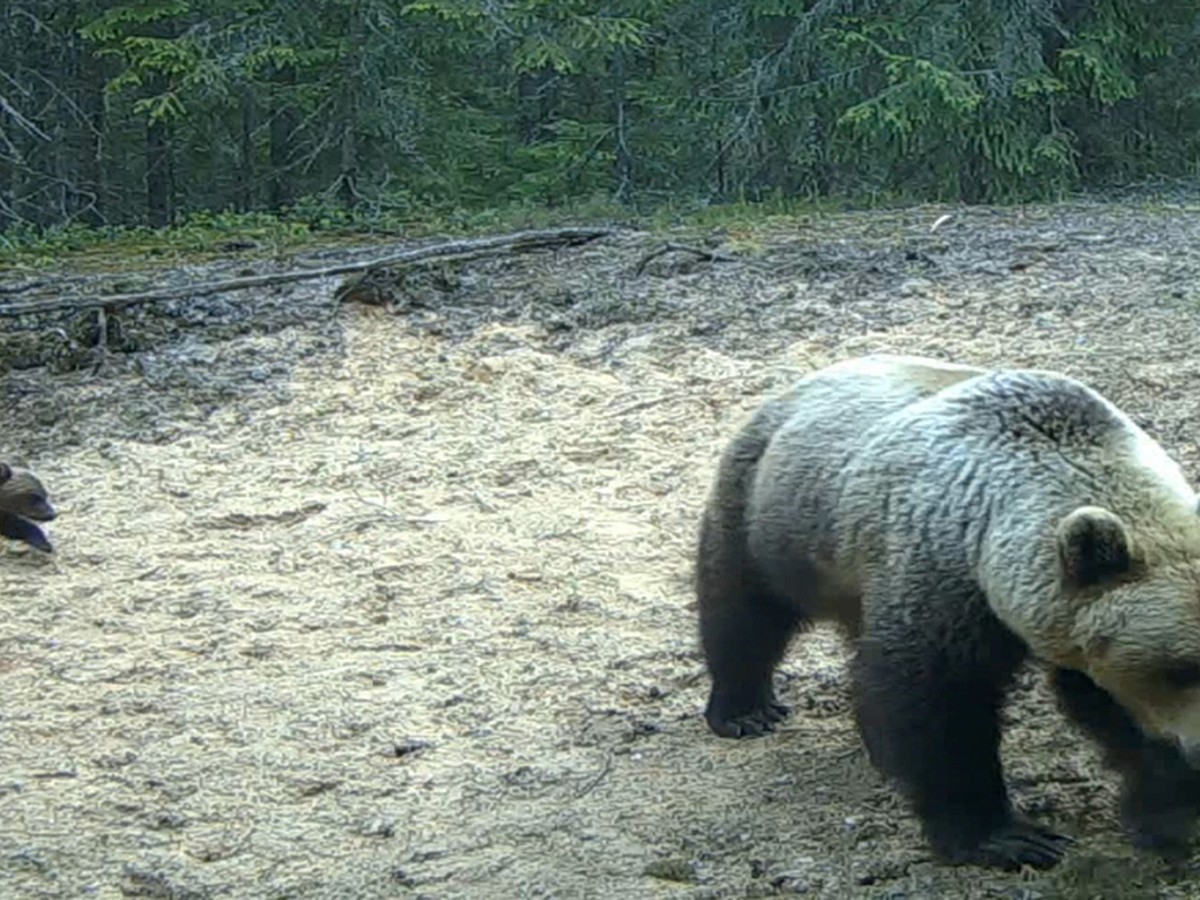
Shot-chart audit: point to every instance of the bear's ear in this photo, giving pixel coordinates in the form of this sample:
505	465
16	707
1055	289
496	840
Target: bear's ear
1093	546
6	472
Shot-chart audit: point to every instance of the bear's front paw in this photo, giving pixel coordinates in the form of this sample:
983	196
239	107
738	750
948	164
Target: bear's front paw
1012	845
753	723
1160	803
1165	830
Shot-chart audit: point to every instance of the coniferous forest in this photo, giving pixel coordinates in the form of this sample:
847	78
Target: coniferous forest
146	113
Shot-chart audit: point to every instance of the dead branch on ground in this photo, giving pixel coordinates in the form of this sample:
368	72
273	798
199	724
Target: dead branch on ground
708	255
510	243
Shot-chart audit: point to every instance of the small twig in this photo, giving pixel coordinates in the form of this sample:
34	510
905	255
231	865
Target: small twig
591	783
102	328
641	405
708	255
941	220
101	348
400	517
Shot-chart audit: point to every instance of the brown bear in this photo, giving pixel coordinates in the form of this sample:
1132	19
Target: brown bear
955	522
24	501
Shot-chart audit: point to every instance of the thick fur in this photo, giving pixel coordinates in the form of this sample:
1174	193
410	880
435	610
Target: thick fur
955	521
24	502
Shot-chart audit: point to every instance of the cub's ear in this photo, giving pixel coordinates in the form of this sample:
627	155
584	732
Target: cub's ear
5	472
1093	546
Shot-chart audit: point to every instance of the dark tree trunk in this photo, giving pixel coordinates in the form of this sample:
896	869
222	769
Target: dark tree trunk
535	103
90	100
160	181
282	132
246	171
721	173
623	163
160	170
348	164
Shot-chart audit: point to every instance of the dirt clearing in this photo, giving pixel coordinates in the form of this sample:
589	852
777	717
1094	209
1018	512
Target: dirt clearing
359	602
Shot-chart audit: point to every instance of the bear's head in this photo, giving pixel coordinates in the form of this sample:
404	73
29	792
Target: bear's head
1136	615
23	501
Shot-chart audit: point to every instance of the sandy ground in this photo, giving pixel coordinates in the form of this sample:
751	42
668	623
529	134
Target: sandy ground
410	614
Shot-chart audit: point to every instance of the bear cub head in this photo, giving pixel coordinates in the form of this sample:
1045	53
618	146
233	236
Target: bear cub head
23	503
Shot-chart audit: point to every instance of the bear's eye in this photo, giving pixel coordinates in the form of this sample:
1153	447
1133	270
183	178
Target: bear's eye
1182	675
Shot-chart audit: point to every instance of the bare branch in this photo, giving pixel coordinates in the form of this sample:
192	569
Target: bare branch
709	255
520	241
26	124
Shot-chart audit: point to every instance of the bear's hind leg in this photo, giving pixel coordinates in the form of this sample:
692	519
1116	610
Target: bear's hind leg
742	651
744	630
931	722
1160	799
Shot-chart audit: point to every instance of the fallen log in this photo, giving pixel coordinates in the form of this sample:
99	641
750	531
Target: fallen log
473	247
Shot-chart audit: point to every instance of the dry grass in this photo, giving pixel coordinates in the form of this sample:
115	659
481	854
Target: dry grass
413	618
